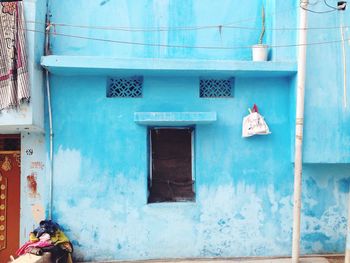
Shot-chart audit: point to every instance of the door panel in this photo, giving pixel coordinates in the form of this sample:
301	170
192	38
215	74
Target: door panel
9	203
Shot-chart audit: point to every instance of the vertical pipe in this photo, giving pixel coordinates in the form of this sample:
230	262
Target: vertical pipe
51	142
48	91
299	125
344	65
347	248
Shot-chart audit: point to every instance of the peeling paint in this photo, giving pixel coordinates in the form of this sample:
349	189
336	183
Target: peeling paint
32	185
223	222
243	205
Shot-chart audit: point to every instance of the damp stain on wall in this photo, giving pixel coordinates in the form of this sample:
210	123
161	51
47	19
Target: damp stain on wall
236	219
104	2
32	185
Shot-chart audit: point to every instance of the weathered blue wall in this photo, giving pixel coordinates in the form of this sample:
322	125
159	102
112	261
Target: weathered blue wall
325	111
171	14
244	187
242	202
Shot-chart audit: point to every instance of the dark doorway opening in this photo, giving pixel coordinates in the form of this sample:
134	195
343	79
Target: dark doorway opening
171	165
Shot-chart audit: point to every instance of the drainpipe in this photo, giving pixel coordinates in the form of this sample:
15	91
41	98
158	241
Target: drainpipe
299	123
48	91
347	248
47	75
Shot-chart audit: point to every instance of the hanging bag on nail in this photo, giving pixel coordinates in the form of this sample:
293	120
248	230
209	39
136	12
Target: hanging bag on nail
254	124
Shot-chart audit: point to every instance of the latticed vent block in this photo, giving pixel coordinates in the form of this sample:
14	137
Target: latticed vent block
216	88
124	87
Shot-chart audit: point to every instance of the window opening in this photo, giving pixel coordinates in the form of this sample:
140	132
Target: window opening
216	88
171	165
124	87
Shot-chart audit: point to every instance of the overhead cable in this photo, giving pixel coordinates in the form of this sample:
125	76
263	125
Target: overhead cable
318	12
183	46
108	28
332	7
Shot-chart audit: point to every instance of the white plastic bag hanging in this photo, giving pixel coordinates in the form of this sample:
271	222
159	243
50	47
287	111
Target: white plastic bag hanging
254	124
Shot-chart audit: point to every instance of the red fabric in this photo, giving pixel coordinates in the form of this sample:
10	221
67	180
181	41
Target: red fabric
43	242
26	247
255	108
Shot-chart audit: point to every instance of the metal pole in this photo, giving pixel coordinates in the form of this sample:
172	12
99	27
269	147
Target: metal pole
299	125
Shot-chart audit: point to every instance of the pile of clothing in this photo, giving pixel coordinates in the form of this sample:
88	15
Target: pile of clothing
48	237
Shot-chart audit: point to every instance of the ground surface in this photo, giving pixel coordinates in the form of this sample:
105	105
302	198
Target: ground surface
328	259
336	259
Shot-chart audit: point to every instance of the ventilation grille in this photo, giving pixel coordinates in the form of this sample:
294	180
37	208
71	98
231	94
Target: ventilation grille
124	87
216	88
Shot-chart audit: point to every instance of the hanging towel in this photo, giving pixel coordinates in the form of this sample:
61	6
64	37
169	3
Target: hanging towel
14	81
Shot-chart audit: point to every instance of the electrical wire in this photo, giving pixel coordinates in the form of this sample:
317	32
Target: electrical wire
106	28
232	25
318	12
182	46
332	7
306	2
195	28
291	28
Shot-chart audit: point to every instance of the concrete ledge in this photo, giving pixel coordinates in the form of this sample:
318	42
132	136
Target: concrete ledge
174	118
105	66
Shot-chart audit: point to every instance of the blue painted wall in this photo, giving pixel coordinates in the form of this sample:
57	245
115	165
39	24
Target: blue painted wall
244	187
171	14
325	108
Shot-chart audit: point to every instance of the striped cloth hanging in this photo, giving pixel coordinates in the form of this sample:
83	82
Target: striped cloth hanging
14	80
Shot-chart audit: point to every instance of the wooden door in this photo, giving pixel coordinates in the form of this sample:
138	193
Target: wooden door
9	197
